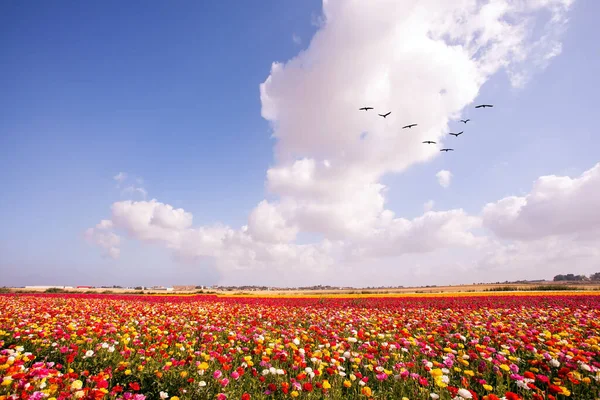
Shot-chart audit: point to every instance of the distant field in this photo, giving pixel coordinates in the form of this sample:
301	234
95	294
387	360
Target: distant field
545	286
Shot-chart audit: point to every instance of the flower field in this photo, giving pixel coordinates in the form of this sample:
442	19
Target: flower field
531	346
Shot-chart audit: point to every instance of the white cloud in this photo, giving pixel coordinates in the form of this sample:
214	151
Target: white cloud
102	236
132	189
326	177
444	178
556	205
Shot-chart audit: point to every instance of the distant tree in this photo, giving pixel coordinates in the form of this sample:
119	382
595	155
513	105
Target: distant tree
595	277
569	277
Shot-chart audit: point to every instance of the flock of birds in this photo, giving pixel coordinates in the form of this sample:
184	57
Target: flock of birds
457	134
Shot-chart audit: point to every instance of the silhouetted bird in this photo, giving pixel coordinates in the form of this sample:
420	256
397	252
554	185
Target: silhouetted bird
366	108
484	105
457	134
464	120
384	115
429	142
447	150
409	126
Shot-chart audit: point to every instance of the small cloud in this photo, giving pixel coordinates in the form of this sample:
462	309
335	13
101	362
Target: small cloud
131	190
120	177
428	206
297	39
444	178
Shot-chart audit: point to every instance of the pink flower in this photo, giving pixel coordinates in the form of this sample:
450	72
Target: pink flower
224	382
217	374
235	375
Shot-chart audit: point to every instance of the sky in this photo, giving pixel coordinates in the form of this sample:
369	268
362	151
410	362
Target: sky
144	143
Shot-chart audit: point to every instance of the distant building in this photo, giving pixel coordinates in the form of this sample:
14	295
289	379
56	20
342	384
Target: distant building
184	287
84	287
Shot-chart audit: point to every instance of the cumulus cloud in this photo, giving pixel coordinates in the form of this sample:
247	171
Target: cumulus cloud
102	236
330	157
444	178
556	205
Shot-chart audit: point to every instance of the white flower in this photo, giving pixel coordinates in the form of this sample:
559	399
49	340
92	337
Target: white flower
111	349
523	385
105	345
445	379
554	362
434	396
202	383
265	372
308	370
465	394
164	395
297	342
585	367
272	370
89	353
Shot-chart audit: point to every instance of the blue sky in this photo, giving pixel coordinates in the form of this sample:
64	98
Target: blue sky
171	95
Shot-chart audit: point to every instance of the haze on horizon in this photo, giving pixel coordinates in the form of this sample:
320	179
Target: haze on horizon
145	144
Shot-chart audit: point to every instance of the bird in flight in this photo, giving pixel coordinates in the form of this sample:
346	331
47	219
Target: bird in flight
385	115
447	150
366	108
409	126
457	134
484	106
464	121
429	142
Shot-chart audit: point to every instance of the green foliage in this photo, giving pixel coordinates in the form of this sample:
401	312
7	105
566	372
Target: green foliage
54	290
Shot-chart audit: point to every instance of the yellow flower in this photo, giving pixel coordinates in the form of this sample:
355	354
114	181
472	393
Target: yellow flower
469	372
174	398
326	385
436	372
505	367
366	391
76	385
488	388
347	383
294	394
127	372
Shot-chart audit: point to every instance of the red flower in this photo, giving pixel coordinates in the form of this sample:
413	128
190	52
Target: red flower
307	387
529	375
491	397
272	387
245	396
134	386
555	389
512	396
